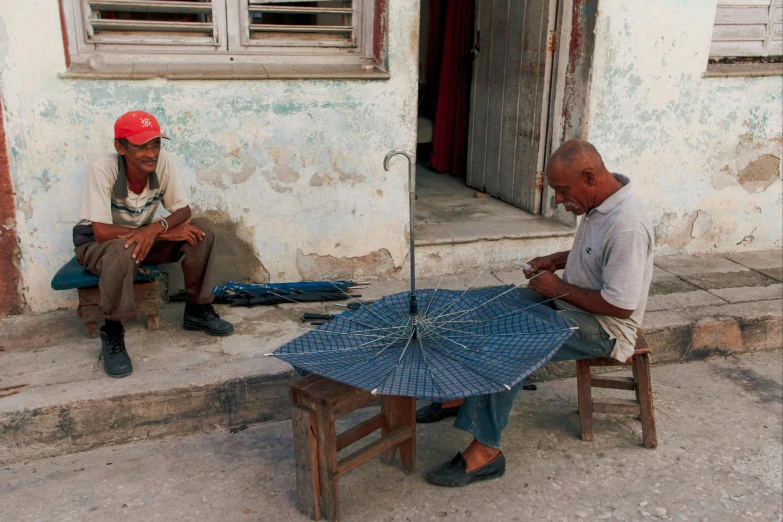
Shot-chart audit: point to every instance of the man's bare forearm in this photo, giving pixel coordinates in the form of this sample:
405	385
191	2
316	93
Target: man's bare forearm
178	217
560	259
104	232
592	301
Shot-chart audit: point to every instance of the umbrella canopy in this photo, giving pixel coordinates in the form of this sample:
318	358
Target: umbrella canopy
432	344
458	344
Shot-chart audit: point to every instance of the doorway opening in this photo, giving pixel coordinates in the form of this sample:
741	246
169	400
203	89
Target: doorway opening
485	76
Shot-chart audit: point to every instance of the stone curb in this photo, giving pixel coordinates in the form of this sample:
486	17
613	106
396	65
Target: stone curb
674	335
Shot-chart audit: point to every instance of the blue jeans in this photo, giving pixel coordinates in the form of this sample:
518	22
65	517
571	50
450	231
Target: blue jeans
486	416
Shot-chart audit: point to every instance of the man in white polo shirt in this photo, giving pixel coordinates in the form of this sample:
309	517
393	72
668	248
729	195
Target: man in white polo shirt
603	291
118	230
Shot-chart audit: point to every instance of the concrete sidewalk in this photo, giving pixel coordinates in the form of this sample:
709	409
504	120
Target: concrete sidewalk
187	382
719	459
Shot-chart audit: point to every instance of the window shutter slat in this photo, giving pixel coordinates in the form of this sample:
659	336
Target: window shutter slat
327	29
152	6
151	26
300	10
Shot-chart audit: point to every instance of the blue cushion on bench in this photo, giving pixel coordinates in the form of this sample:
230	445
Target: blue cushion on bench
74	275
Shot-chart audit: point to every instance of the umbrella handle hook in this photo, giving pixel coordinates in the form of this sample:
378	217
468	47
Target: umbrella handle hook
412	201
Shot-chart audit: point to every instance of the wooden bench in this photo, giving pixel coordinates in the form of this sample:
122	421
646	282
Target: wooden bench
640	383
145	292
316	403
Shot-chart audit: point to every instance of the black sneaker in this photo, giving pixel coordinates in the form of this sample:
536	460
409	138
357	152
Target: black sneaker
453	473
435	412
116	362
205	318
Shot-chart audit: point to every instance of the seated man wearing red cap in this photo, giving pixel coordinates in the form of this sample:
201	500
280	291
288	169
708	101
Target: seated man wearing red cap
118	230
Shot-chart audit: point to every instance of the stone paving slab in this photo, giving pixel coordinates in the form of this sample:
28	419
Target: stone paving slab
758	259
692	265
719	280
719	458
748	294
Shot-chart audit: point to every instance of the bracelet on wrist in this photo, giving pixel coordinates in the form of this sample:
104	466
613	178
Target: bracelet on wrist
163	223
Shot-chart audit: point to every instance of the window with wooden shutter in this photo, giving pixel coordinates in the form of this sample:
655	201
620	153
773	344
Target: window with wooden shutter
226	36
301	24
748	28
151	22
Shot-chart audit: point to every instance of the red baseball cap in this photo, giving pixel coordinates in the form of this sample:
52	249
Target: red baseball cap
137	127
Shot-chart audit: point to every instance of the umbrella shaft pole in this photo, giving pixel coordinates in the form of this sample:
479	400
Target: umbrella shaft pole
414	305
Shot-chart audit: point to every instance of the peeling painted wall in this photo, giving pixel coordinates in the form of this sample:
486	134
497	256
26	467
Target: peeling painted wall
704	153
291	171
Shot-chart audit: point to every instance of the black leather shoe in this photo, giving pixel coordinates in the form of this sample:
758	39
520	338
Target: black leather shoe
205	318
453	474
434	412
116	362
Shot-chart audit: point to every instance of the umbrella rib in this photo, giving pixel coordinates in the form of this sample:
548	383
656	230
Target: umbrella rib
429	369
449	305
464	312
485	303
381	338
317	330
312	352
350	296
520	334
509	313
451	356
370	328
384	300
432	297
394	369
321	308
389	345
399	336
482	352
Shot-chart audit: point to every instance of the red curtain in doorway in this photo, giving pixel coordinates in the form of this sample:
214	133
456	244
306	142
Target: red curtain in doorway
450	129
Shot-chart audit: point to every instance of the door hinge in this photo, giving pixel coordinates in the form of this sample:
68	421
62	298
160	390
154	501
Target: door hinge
551	44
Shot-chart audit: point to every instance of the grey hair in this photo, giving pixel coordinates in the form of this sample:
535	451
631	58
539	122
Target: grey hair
579	152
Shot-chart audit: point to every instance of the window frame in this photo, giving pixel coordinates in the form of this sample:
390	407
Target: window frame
230	48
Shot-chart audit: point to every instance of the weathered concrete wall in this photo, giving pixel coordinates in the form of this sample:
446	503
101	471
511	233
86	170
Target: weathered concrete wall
704	152
291	170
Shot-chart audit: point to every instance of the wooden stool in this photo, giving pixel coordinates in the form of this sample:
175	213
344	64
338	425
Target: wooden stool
72	275
144	294
640	383
317	403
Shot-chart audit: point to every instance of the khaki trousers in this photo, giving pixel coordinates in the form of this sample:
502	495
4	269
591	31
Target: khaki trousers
112	262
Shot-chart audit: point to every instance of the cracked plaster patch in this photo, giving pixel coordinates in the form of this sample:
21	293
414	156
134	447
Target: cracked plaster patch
675	230
318	180
760	174
701	225
280	176
756	177
313	267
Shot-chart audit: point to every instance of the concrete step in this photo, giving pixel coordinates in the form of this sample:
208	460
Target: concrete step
57	400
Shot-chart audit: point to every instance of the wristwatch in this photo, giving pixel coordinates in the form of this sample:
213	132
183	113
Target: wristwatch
163	223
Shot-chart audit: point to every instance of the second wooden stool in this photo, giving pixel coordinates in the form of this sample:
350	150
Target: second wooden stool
317	403
639	383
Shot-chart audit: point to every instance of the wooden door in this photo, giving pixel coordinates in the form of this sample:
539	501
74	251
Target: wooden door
510	98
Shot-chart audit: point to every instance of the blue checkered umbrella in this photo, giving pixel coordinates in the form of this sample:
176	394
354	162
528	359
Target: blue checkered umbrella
457	345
